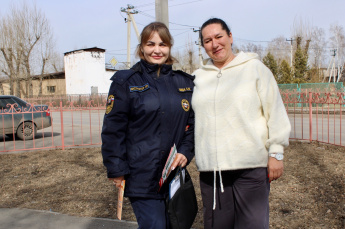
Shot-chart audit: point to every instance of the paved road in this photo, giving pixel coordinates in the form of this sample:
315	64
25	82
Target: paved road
325	130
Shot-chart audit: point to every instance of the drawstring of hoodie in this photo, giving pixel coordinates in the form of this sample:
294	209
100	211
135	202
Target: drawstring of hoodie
214	185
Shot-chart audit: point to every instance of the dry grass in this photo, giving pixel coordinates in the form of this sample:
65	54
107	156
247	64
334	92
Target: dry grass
309	195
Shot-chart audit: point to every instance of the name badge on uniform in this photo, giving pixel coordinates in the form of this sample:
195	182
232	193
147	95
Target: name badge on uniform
110	104
139	88
185	89
185	104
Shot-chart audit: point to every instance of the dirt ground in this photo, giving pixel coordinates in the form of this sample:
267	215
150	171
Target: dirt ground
309	195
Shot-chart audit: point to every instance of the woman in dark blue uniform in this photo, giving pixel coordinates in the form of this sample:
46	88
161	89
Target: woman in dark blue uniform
148	111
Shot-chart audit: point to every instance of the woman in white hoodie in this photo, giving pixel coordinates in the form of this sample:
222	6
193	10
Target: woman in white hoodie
241	129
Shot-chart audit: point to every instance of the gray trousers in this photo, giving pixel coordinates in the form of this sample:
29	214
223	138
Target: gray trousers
242	205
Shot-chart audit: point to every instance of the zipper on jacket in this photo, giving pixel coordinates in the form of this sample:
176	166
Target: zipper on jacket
215	110
219	169
219	74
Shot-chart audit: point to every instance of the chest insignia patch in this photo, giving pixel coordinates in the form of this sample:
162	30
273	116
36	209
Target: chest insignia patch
110	104
185	104
139	88
185	89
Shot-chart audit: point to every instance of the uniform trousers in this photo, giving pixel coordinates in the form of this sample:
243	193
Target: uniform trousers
242	205
150	213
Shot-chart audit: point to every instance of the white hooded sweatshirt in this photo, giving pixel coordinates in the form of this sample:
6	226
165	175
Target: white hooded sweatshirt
239	115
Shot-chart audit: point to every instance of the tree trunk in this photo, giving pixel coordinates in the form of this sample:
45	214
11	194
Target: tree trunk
191	62
18	94
40	87
2	89
11	87
30	92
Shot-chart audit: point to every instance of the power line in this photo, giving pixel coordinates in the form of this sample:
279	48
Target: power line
175	5
186	3
241	39
181	33
144	5
150	16
145	14
191	26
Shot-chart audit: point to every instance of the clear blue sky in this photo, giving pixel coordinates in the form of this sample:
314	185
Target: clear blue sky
88	23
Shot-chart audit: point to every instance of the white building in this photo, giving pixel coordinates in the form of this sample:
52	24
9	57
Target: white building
85	71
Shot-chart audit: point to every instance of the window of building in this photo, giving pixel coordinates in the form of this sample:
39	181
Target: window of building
51	89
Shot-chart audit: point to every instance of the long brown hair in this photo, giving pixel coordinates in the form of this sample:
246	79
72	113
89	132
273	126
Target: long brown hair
163	33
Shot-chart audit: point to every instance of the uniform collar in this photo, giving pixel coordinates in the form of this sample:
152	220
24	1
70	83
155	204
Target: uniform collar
149	68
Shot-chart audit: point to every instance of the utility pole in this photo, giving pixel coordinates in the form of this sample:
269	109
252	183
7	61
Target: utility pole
291	40
333	66
128	21
162	11
199	44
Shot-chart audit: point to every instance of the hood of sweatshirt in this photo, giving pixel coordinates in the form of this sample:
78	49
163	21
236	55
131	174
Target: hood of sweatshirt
240	58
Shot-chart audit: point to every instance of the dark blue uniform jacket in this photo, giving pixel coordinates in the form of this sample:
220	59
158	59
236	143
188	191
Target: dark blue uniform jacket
146	115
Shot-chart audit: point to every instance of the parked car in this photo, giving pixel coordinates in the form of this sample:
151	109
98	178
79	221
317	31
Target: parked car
21	118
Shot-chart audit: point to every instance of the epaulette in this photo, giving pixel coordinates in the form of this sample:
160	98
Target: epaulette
122	76
185	74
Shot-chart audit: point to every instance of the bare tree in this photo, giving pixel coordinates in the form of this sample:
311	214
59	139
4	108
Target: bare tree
177	64
56	62
317	55
187	61
280	49
11	52
250	47
337	41
26	45
301	29
191	56
317	46
46	55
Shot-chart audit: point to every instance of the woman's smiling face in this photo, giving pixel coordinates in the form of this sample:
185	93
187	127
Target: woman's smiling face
217	44
155	50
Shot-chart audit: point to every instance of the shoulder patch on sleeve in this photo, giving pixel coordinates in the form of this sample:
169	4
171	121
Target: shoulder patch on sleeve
110	104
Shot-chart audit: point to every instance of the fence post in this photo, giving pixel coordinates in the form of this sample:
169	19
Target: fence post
310	117
62	132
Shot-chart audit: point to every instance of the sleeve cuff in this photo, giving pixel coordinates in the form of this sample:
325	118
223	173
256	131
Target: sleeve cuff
275	148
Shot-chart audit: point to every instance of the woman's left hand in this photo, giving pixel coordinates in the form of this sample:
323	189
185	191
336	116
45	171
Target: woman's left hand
180	160
275	168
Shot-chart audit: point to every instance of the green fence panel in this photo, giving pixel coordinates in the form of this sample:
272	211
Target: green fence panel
321	88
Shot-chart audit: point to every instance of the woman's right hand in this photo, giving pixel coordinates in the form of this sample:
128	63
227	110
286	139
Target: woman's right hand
117	181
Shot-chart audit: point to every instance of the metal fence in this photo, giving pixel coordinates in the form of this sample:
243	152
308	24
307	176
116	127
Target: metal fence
316	116
77	120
